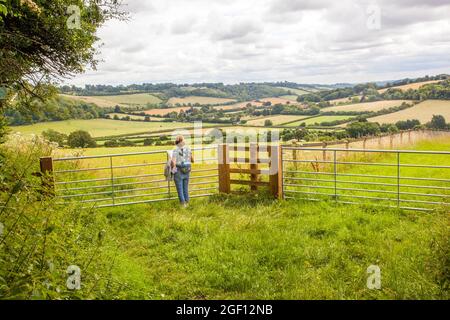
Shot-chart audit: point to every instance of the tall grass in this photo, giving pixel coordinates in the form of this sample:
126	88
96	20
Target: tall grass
40	240
250	247
229	247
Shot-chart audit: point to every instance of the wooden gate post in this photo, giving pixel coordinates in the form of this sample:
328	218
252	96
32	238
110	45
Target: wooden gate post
276	174
253	150
48	182
224	168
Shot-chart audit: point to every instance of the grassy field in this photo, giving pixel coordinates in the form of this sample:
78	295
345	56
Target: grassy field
297	92
276	100
122	100
199	100
366	106
320	119
276	120
100	127
134	116
343	100
251	247
240	105
413	86
290	97
165	111
423	112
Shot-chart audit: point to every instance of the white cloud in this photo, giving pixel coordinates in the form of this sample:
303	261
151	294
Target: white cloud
268	40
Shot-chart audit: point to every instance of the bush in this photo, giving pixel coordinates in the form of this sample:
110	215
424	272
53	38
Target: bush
268	123
438	122
148	142
81	139
41	239
361	129
55	136
111	143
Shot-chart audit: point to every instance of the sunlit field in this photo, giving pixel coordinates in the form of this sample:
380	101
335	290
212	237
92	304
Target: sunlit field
423	112
101	127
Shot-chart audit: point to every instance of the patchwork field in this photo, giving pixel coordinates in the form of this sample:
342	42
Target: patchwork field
290	97
343	100
423	112
134	116
298	92
312	121
121	100
276	100
199	100
100	127
413	86
164	111
276	120
239	105
366	106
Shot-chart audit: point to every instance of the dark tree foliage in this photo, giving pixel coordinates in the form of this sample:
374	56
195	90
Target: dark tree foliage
54	109
37	47
362	129
438	122
81	139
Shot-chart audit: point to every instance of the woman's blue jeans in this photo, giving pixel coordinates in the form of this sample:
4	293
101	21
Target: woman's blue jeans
182	185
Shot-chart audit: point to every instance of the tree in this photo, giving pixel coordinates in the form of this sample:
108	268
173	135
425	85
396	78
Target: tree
438	122
268	123
361	129
42	42
55	136
81	139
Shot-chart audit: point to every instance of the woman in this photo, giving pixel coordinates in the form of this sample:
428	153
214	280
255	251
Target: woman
181	165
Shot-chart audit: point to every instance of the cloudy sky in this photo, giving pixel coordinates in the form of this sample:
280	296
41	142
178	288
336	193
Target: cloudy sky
306	41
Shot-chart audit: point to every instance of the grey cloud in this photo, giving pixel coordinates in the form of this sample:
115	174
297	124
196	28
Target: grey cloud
262	40
289	6
236	30
183	26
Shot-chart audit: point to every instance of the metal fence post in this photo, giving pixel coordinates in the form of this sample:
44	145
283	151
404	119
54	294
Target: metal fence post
168	181
398	179
335	176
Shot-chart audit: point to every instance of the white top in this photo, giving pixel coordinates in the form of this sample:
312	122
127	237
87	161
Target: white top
182	155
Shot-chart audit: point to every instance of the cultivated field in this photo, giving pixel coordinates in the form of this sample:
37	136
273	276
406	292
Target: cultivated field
413	86
343	100
366	106
199	100
164	111
312	121
121	100
276	100
423	112
134	116
298	92
276	120
100	127
240	105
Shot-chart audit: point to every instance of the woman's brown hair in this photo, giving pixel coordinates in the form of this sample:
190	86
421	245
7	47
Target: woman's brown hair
179	139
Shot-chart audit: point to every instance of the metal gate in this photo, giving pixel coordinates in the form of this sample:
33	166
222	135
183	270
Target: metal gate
124	179
406	179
